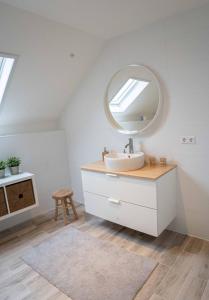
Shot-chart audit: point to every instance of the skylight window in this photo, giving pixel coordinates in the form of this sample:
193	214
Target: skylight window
127	94
6	65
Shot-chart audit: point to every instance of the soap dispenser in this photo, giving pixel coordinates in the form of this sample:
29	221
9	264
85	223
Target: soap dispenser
104	153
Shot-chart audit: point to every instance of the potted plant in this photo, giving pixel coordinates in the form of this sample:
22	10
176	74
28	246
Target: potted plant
13	163
2	168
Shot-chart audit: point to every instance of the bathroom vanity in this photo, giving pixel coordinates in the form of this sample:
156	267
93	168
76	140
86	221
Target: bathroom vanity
144	199
17	194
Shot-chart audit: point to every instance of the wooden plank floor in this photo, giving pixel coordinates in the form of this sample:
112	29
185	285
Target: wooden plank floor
182	272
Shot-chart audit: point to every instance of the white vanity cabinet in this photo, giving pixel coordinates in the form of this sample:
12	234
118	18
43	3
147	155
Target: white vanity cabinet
129	199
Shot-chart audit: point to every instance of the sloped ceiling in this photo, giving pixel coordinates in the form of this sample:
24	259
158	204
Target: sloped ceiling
56	42
52	59
106	18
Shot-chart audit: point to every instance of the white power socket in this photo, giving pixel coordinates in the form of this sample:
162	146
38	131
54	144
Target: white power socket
189	139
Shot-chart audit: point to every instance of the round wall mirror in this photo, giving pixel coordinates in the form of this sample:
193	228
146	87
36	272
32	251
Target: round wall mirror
133	99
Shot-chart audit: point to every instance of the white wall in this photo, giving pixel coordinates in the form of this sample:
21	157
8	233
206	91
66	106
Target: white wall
177	49
45	75
45	155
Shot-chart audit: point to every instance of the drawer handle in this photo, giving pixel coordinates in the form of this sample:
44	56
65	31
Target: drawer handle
115	201
20	196
111	175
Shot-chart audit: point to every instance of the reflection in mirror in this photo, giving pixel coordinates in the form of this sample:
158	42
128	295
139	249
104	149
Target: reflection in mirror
127	95
133	99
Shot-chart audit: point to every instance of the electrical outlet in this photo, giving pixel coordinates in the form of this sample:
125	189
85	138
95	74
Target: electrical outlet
188	139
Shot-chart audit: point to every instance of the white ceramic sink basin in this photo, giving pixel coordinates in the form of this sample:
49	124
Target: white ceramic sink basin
124	161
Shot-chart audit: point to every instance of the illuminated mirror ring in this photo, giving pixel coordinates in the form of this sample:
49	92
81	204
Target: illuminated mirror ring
133	99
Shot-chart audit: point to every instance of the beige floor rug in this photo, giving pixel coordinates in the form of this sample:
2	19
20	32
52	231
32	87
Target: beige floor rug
86	268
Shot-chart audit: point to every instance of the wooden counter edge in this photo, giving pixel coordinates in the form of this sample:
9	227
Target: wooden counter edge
99	167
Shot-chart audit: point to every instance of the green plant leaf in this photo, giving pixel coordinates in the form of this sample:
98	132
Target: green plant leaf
13	161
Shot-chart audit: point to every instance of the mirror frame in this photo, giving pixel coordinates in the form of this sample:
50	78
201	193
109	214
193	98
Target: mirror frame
107	110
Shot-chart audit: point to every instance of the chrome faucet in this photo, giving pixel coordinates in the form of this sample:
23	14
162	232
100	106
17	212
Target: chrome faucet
130	145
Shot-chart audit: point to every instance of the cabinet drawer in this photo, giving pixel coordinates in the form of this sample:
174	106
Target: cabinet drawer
130	215
135	191
20	195
3	205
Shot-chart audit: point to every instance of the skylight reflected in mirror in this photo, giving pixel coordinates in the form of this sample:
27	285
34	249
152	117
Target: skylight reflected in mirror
127	94
6	65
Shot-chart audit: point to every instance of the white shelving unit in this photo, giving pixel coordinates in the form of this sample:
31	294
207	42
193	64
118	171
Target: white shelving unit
18	194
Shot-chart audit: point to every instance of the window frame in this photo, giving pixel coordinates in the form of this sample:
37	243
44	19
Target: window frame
15	57
124	100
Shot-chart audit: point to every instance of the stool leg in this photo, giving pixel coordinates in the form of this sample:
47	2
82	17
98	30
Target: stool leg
73	208
64	211
67	209
56	210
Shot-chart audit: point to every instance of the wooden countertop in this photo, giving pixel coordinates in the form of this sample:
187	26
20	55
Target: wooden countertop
147	172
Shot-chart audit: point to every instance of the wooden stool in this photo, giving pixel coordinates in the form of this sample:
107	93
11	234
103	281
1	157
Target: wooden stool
63	198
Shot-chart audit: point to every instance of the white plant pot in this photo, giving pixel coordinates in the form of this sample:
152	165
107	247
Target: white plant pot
14	170
2	173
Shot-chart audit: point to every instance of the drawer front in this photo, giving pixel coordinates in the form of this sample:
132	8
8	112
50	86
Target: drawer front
3	205
136	191
140	218
20	195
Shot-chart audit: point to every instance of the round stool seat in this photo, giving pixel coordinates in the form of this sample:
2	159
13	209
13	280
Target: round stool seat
62	193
